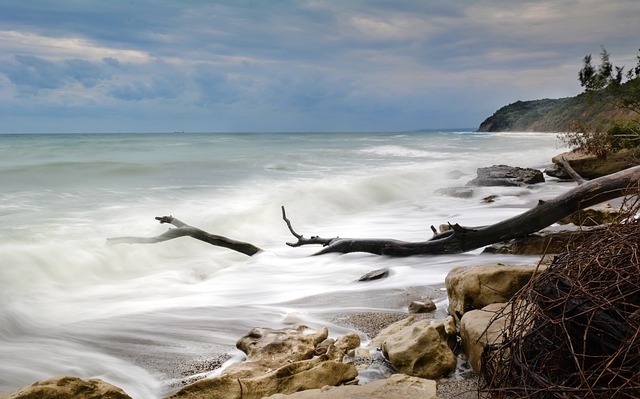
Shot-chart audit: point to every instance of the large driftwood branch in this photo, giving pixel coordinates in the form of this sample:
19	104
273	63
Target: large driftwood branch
457	240
462	239
184	230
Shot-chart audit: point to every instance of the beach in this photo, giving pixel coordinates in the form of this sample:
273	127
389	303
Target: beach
149	318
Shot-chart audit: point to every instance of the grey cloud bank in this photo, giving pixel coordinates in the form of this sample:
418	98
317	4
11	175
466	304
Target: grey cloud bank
283	65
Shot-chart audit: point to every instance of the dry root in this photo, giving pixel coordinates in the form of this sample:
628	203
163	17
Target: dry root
575	330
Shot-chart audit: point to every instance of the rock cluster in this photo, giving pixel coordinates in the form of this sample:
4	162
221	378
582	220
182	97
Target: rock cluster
300	362
284	361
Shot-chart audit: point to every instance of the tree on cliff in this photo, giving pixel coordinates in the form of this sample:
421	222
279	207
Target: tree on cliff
608	84
623	87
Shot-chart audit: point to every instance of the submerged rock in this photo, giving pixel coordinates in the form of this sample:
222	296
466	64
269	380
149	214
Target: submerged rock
375	275
456	192
504	175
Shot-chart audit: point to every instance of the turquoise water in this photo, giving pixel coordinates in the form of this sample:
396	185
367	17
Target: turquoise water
72	305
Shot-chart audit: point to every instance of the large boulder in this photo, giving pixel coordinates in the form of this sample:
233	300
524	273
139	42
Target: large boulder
68	388
475	287
504	175
589	166
294	377
396	386
283	360
476	331
421	349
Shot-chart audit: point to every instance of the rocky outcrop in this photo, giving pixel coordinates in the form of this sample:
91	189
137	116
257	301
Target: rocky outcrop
420	349
475	287
298	376
476	331
280	361
589	166
268	349
504	175
396	386
68	388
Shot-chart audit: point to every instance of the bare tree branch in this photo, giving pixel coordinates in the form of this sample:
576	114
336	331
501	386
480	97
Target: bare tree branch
574	175
183	230
301	240
456	240
462	239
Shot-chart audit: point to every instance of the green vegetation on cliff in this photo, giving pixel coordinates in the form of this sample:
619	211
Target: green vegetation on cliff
611	99
595	110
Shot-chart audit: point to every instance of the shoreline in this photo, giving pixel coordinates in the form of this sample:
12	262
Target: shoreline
368	313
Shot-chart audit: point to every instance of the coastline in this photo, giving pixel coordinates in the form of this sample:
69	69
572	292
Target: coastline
364	310
367	313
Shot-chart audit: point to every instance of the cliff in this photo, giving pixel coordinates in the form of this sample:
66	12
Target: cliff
555	115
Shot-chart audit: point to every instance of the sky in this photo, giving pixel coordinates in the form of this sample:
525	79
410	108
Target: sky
294	65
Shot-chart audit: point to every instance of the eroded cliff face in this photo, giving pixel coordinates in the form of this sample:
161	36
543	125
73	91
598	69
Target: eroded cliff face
555	115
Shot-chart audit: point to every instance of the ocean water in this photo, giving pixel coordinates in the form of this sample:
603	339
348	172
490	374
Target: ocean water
134	314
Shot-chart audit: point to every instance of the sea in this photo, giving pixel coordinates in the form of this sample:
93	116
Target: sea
133	314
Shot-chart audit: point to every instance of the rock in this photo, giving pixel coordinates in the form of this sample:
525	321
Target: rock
422	349
374	275
268	349
324	346
489	199
475	331
297	376
503	175
280	361
423	306
544	242
589	166
396	386
390	330
347	343
456	192
475	287
593	216
69	388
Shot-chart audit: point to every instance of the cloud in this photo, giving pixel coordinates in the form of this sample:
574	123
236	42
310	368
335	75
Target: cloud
299	64
64	47
36	73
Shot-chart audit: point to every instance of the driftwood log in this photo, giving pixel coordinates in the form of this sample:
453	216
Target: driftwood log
184	230
457	240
